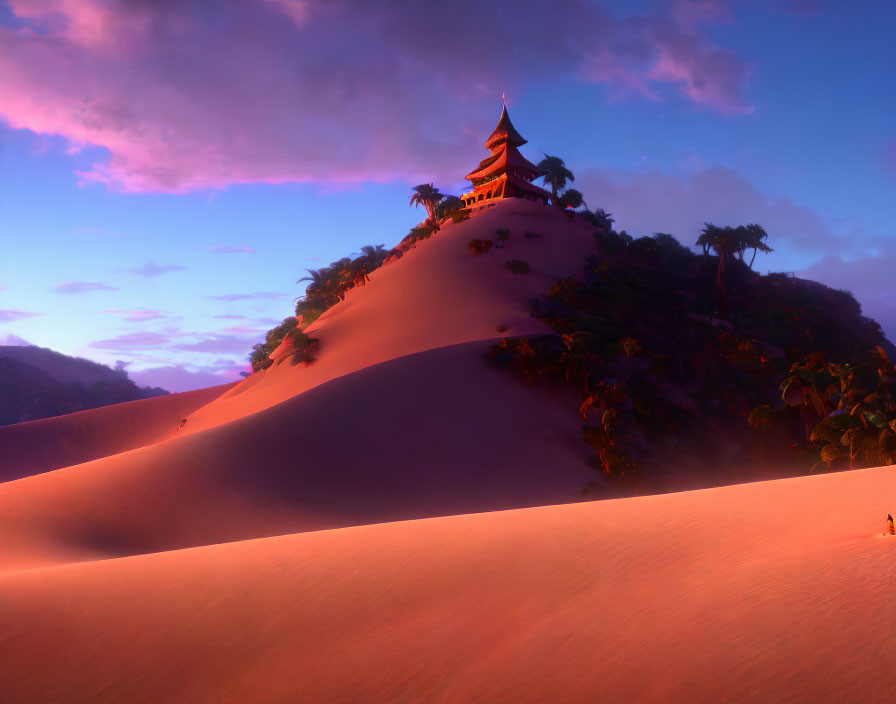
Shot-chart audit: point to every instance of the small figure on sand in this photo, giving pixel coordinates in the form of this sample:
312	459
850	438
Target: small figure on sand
182	423
890	529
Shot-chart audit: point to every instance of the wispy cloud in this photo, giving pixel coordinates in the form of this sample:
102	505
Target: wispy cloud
230	317
230	249
247	296
8	315
83	287
140	315
132	341
153	269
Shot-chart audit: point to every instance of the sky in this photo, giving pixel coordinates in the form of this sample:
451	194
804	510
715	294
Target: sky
170	168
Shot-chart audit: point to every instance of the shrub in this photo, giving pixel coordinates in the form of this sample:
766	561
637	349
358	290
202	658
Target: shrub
304	346
479	246
530	236
502	328
260	357
517	266
502	235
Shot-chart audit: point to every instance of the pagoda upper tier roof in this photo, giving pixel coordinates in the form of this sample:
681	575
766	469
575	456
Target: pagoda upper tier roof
505	131
508	158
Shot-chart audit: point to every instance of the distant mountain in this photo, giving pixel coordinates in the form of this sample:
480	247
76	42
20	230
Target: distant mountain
36	382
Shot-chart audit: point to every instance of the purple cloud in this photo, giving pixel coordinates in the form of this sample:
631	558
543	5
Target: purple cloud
870	279
214	343
133	341
139	315
247	296
7	315
230	317
83	287
228	249
153	269
70	68
681	203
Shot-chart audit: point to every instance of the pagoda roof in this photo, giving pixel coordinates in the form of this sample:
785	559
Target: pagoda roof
508	157
524	185
520	183
505	132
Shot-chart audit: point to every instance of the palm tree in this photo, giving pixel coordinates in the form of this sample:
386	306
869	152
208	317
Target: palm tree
752	238
555	174
724	241
429	197
318	278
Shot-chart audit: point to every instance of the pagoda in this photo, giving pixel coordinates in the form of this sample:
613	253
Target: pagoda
506	173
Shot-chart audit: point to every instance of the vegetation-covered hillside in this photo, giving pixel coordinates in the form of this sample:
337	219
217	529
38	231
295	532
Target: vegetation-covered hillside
36	382
792	379
691	368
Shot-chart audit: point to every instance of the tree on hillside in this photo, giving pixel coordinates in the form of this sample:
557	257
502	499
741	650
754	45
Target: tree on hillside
429	197
725	242
601	219
555	174
752	238
571	198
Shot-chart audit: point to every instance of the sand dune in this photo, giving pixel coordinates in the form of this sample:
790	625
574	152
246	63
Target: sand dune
439	294
774	591
456	436
44	445
402	416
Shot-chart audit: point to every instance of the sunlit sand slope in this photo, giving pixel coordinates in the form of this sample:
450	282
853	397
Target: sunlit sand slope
435	433
438	294
777	591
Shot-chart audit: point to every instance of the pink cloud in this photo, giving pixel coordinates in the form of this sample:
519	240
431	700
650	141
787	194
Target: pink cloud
7	315
234	94
83	287
140	315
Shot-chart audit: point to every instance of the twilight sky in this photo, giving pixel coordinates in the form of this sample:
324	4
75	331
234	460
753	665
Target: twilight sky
169	168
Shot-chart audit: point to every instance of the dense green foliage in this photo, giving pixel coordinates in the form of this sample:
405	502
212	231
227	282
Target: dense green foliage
30	386
661	387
